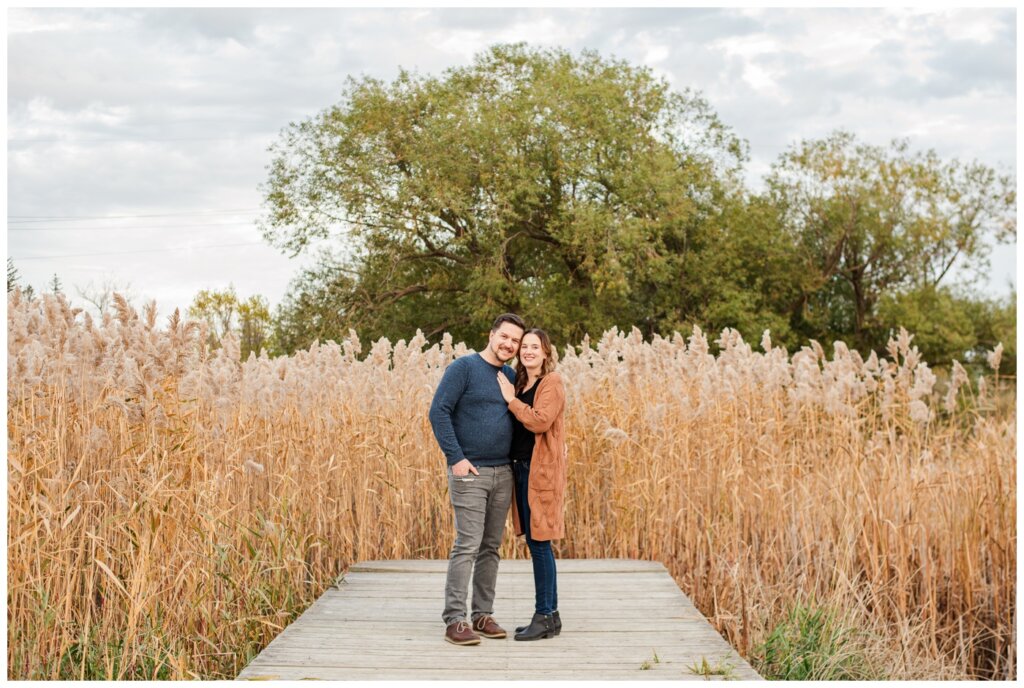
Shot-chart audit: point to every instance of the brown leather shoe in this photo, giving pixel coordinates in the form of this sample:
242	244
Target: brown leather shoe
459	633
488	628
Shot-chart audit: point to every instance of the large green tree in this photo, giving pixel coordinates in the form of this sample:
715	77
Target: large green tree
869	223
995	322
313	307
749	275
217	308
579	191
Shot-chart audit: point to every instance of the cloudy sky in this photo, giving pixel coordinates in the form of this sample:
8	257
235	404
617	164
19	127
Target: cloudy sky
137	139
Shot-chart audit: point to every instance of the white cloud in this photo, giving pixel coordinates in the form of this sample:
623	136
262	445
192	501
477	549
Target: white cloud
41	118
23	20
971	25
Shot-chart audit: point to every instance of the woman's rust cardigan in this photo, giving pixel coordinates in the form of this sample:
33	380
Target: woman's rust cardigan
546	493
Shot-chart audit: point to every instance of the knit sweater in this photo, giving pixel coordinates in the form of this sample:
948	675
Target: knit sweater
469	416
548	466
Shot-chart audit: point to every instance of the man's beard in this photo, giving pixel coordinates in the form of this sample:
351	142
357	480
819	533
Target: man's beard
498	355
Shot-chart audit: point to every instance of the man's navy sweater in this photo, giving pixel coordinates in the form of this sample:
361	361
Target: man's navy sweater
469	416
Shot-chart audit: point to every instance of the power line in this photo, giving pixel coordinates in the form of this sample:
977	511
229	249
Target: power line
140	139
152	250
71	218
127	229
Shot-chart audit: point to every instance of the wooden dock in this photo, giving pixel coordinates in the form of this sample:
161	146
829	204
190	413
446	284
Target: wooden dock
622	619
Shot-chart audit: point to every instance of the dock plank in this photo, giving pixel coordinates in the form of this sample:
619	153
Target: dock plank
622	619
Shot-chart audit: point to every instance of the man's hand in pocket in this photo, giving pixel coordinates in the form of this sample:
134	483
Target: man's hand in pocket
464	468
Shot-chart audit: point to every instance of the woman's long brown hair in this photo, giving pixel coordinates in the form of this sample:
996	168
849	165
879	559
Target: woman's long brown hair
546	367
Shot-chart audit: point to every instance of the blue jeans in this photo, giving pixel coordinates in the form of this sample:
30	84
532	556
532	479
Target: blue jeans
541	555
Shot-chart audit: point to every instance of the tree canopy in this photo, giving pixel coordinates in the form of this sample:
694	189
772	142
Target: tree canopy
869	224
576	190
583	192
224	313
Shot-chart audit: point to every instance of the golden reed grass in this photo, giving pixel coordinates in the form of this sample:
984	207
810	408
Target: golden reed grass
171	510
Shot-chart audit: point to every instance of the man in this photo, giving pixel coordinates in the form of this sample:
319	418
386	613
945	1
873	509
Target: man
472	423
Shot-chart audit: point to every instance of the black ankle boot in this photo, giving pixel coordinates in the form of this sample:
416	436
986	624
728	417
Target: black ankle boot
558	624
542	626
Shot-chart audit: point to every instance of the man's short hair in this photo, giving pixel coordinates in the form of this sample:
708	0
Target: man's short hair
508	318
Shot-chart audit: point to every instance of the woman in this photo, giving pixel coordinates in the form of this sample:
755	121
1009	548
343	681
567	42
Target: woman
537	401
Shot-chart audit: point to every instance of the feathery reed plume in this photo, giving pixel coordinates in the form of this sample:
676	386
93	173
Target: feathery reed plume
995	356
171	508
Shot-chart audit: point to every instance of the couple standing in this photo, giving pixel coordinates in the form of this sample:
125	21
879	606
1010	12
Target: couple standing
501	431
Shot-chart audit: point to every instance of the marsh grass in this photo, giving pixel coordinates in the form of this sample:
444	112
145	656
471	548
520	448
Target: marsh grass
171	509
814	644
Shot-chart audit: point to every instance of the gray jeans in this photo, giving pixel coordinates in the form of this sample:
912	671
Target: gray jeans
481	504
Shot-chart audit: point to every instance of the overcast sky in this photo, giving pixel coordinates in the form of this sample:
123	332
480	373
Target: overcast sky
137	138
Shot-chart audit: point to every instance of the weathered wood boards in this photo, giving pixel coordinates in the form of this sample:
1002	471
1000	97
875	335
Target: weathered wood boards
622	619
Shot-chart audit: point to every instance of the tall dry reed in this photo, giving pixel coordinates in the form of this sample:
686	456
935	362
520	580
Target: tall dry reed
172	509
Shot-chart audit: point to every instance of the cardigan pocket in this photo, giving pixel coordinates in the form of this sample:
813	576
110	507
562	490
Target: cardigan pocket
543	475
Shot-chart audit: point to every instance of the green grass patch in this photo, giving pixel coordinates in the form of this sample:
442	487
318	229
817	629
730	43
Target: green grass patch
814	644
704	668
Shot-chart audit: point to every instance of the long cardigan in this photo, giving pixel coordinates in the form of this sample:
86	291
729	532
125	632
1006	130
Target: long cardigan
548	468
